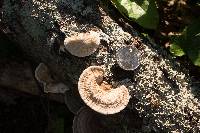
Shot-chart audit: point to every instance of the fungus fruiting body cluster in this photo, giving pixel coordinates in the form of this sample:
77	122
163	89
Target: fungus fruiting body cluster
96	93
164	99
162	90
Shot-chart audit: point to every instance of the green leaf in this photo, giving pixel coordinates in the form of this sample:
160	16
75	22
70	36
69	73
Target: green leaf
192	43
175	47
189	42
194	50
144	12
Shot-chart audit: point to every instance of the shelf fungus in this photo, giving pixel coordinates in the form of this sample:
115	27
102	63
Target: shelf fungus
43	75
128	57
83	44
99	95
88	121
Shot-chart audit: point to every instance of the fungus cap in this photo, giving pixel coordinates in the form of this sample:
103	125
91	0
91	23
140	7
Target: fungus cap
128	57
88	121
43	75
83	44
99	95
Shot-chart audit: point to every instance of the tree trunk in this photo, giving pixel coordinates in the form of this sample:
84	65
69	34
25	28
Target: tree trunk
160	87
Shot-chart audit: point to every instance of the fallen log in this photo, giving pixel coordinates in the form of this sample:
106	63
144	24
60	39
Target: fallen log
160	87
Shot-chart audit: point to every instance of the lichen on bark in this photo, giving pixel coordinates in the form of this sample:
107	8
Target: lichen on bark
160	85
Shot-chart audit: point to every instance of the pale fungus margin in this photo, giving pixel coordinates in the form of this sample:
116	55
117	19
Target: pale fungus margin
83	44
99	95
43	76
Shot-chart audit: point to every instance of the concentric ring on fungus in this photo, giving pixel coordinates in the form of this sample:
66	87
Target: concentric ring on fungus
88	121
99	95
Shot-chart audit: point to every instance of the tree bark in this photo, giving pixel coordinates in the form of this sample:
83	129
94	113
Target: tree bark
160	87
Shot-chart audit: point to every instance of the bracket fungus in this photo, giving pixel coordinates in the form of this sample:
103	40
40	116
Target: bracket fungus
88	121
99	95
127	57
83	44
43	75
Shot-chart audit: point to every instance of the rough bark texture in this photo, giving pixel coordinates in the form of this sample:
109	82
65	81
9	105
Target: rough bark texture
19	76
160	87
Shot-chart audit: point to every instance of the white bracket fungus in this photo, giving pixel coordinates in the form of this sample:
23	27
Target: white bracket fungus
43	75
99	95
83	44
127	57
